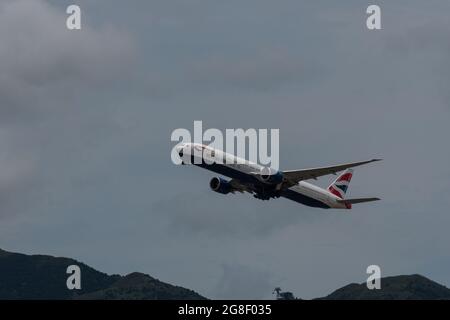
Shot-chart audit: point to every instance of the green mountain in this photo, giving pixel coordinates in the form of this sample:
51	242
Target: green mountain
44	277
407	287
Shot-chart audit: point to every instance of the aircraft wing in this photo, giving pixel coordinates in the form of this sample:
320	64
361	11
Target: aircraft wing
294	176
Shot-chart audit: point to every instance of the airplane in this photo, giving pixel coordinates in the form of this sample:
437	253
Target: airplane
266	183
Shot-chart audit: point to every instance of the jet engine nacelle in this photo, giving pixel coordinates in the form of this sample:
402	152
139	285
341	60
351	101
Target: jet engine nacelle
220	185
271	176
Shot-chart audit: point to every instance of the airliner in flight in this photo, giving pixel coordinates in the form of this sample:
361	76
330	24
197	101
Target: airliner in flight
266	183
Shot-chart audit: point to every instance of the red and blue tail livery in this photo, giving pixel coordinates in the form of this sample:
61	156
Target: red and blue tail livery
340	185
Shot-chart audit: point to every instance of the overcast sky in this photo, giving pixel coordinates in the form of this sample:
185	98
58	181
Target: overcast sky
86	118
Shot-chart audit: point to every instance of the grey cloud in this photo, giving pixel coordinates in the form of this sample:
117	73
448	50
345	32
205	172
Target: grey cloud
42	60
45	73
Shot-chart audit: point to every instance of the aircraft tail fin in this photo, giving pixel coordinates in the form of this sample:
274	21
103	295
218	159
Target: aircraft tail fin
340	185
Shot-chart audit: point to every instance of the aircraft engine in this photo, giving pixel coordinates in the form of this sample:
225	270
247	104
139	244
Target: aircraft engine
220	185
271	176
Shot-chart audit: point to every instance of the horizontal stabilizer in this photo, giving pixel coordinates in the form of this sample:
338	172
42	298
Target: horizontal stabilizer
358	200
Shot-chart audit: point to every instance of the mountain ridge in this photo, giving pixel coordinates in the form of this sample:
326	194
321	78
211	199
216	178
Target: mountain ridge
44	277
401	287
